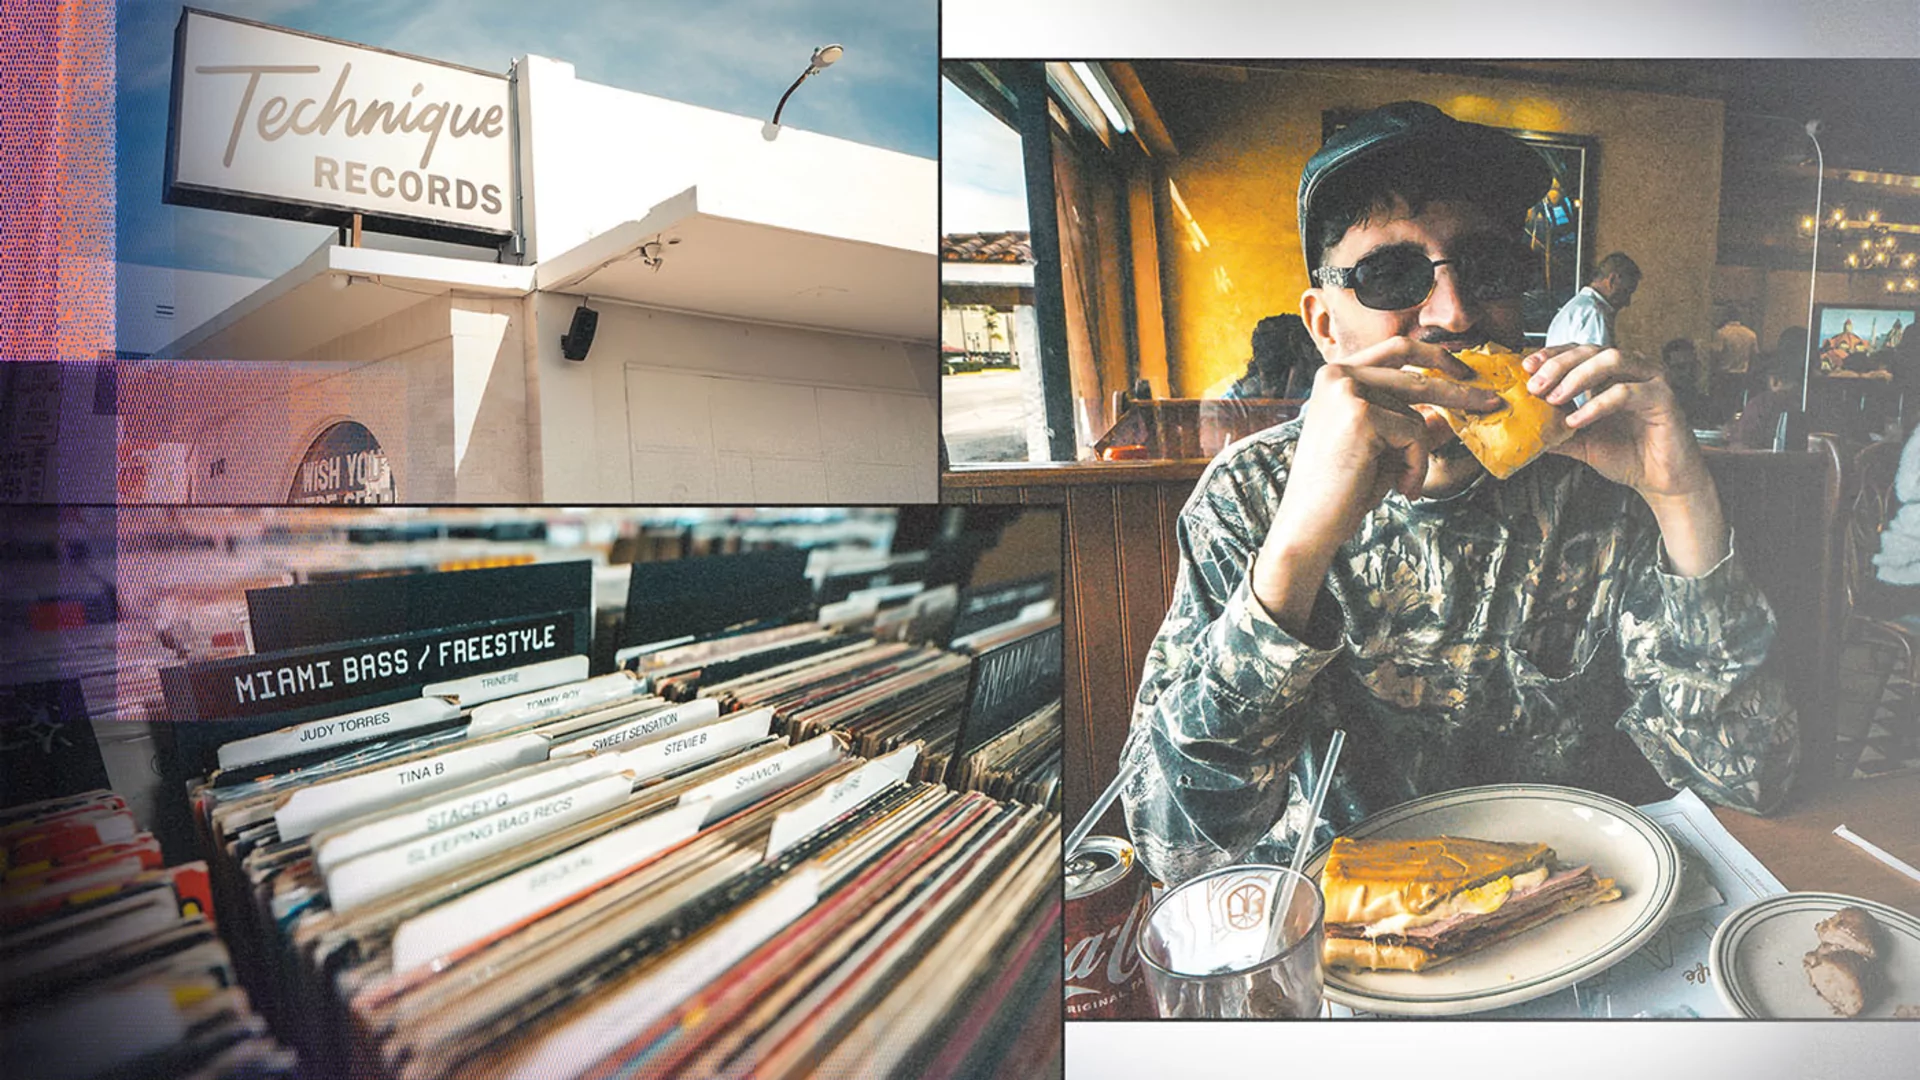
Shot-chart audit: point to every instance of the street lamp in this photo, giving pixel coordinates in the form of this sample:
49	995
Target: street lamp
823	58
1813	278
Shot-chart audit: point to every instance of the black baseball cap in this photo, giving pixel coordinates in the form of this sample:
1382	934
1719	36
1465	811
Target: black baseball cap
1512	173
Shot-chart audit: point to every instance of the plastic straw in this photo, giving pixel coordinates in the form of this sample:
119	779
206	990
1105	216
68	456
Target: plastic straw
1080	831
1874	850
1300	850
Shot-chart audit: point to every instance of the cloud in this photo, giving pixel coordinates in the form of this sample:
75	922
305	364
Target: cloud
969	209
982	180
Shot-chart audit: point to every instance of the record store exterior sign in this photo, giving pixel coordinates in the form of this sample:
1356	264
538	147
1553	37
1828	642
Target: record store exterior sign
285	124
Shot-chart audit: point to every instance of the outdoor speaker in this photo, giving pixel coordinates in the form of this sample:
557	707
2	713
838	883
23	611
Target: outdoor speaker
579	337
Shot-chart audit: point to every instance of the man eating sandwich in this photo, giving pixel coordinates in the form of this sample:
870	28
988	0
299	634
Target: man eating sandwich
1360	568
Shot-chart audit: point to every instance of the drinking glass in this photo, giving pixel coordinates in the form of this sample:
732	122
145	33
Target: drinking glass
1209	951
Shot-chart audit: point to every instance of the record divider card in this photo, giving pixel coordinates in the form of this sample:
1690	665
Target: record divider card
686	600
321	660
1008	681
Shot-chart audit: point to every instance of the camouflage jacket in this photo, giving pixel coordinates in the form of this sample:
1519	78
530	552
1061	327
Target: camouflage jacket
1509	633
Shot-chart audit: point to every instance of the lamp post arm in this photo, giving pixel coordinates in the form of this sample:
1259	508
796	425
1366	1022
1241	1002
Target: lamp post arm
789	93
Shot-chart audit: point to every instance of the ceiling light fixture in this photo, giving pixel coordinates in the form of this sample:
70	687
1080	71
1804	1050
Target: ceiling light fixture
1102	93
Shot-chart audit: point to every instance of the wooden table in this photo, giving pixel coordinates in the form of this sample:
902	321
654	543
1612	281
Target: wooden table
1798	844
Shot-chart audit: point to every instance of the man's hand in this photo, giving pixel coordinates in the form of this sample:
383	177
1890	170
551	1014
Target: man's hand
1632	432
1362	438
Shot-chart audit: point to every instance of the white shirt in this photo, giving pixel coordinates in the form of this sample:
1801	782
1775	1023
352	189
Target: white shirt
1733	348
1587	319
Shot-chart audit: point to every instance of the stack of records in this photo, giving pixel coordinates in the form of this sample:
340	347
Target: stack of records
592	880
879	695
1011	745
987	721
109	963
1021	763
679	672
745	631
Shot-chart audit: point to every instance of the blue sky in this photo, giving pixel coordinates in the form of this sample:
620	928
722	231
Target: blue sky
735	55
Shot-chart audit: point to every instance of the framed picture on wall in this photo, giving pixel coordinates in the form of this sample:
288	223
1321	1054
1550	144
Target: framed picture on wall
1559	226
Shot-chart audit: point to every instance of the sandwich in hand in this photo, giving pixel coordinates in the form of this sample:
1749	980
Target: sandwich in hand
1407	905
1522	429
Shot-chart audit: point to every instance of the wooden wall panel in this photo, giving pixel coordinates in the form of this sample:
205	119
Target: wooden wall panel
1099	649
1144	589
1077	769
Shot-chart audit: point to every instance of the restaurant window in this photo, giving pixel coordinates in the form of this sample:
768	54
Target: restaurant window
989	349
1093	256
1040	333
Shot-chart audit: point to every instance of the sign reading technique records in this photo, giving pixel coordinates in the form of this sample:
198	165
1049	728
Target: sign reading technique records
285	124
345	465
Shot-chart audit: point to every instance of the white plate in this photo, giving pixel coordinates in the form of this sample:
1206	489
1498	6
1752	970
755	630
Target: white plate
1581	827
1756	956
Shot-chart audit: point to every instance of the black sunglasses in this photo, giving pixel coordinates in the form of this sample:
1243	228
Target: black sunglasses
1400	277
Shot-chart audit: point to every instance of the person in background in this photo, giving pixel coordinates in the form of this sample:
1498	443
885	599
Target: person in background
1897	563
1685	375
1730	358
1284	361
1758	423
1905	365
1584	619
1792	342
1587	319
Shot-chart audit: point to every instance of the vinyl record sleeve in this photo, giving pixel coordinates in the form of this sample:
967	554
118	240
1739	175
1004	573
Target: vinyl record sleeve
646	801
747	1000
663	1045
472	1025
923	913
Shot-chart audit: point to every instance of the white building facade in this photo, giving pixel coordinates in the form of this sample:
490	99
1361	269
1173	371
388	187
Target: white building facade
765	311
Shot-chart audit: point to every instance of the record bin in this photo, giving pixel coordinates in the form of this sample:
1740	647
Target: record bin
775	836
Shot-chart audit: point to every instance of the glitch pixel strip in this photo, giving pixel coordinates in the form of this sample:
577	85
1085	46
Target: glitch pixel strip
56	180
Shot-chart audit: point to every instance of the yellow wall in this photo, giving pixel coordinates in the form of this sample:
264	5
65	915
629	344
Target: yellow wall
1234	256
